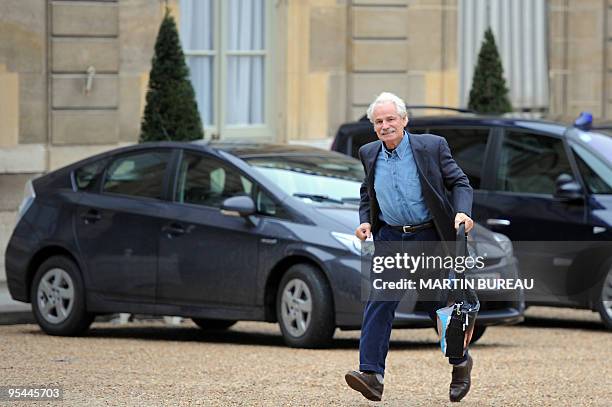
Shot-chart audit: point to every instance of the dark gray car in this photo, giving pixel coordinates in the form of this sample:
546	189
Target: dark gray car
214	232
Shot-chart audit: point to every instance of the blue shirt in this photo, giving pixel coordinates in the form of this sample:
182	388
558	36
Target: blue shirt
397	186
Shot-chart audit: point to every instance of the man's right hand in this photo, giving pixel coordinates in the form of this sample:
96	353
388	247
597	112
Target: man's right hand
363	231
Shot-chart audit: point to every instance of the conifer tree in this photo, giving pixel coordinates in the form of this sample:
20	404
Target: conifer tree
489	93
171	111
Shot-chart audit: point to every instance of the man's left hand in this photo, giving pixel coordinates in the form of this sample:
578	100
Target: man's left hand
462	217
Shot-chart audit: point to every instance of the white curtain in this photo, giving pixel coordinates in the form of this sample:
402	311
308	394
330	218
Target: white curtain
197	34
520	29
245	74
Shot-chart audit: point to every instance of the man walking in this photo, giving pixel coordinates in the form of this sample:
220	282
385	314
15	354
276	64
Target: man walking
404	198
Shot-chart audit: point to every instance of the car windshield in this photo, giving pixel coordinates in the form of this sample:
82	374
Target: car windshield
594	157
313	178
600	143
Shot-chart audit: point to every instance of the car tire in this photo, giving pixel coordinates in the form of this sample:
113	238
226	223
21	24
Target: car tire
213	324
478	332
58	298
604	302
304	308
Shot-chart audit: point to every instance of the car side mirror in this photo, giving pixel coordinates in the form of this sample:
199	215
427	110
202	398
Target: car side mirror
239	206
567	189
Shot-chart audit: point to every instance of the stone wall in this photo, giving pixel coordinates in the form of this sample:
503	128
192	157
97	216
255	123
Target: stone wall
407	47
116	40
48	116
579	47
312	63
23	105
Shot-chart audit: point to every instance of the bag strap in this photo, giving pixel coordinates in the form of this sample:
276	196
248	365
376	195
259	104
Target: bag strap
461	242
460	250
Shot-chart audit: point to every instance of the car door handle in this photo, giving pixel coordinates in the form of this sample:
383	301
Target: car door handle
91	216
268	241
173	229
498	222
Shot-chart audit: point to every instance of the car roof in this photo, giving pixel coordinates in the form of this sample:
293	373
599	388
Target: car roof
250	149
240	149
476	120
467	119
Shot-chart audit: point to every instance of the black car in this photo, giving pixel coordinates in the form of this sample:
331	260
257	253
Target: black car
546	185
215	232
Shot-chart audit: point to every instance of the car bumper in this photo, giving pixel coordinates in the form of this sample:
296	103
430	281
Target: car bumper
502	316
495	309
22	244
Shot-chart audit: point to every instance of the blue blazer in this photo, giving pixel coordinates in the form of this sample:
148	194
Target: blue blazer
440	176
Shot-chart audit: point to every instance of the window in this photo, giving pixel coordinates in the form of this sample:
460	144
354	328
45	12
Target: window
468	148
531	163
227	46
267	206
416	130
206	181
521	35
85	177
139	174
596	173
331	178
359	140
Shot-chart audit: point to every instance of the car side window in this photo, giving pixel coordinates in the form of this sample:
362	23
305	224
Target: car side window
468	148
358	140
268	206
204	180
531	163
416	130
85	177
140	174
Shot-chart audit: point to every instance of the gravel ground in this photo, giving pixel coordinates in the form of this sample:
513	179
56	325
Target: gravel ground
556	358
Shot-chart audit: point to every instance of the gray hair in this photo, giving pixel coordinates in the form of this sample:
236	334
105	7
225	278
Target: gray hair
387	97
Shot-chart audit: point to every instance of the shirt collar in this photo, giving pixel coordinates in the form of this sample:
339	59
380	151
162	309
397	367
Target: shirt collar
401	149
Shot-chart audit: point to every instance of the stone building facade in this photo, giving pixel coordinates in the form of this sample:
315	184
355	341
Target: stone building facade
73	74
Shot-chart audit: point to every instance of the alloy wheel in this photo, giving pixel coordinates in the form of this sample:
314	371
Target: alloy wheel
55	295
296	306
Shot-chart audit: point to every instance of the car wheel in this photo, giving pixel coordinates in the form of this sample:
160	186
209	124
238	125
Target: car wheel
304	308
604	303
478	332
58	298
213	324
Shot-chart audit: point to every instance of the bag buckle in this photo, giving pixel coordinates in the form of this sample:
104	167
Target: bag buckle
458	307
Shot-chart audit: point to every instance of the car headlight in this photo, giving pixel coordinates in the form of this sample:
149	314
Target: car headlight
353	244
504	242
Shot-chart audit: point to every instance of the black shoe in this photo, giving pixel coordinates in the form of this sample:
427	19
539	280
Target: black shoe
365	383
462	379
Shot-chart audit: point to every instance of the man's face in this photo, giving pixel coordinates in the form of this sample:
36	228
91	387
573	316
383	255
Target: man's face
388	125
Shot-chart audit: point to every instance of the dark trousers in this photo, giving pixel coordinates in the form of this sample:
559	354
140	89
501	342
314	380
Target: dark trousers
378	315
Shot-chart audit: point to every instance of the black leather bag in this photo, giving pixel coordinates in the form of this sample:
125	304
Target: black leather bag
456	321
